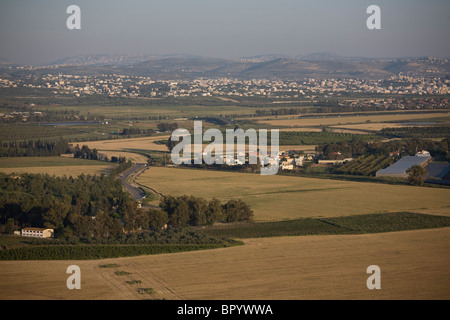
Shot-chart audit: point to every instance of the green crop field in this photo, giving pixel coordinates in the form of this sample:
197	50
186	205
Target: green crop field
163	110
26	162
58	166
357	224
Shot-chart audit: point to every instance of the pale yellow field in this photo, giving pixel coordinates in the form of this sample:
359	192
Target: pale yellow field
302	129
349	120
286	197
146	143
371	126
414	265
349	131
134	157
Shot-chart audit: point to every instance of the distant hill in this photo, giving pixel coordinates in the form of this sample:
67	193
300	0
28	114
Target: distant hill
110	59
263	58
427	66
316	65
321	56
293	69
5	62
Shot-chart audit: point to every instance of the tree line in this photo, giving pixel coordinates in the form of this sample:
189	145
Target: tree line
193	211
85	153
34	148
417	132
136	131
342	150
167	127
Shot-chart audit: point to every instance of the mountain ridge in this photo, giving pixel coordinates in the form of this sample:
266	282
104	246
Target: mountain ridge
188	67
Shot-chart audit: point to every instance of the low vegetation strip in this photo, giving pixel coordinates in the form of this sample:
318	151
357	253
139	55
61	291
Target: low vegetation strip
358	224
91	252
288	138
390	222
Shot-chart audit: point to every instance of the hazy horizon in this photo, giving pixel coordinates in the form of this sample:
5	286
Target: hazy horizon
35	33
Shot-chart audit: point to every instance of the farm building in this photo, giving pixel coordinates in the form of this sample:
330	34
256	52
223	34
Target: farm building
398	169
37	232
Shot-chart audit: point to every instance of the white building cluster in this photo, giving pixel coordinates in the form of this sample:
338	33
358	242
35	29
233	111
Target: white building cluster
116	85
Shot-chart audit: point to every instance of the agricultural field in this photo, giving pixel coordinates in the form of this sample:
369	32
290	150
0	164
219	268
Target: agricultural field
378	126
58	166
132	145
315	138
414	265
288	197
365	165
328	260
26	132
355	224
351	119
139	111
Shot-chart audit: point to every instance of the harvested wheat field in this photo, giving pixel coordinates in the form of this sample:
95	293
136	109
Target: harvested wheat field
133	144
372	126
414	265
288	197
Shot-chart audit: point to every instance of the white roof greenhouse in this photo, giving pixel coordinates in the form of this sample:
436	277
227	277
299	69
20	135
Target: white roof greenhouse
399	168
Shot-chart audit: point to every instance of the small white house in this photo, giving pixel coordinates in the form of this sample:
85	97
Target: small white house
423	153
299	161
287	166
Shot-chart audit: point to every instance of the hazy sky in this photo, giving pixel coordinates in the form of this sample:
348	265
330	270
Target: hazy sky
35	32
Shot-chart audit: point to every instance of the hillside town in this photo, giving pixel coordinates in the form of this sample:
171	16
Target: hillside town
117	85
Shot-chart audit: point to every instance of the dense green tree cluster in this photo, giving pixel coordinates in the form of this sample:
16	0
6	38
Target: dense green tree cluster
34	148
87	206
289	138
167	127
136	131
85	153
98	207
342	150
416	175
189	210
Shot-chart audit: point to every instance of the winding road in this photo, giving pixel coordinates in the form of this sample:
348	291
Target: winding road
137	193
127	178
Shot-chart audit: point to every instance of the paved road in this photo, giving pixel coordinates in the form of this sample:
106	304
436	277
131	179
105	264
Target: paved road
137	193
